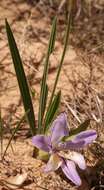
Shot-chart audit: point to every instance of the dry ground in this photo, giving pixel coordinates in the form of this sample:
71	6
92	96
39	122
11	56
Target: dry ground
81	82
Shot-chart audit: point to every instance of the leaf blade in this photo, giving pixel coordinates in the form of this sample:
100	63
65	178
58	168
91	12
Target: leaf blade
1	134
52	111
63	55
45	74
16	129
61	62
82	127
21	78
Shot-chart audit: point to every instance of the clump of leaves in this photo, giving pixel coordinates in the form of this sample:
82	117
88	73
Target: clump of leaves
45	116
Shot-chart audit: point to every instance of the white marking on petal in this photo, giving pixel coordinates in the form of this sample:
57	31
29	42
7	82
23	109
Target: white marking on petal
78	159
54	163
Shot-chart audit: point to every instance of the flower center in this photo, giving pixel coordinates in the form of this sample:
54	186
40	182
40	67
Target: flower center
65	154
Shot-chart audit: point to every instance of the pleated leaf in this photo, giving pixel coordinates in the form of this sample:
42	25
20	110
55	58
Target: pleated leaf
1	134
52	111
21	77
60	65
14	132
82	127
42	101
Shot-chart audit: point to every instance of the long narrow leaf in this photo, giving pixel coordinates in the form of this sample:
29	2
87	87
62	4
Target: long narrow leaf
45	99
61	62
20	74
42	101
52	111
1	134
15	131
82	127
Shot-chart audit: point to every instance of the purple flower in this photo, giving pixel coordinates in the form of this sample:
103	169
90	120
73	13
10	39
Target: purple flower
57	149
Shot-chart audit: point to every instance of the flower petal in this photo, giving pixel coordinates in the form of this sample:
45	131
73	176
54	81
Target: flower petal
70	171
59	128
88	136
78	159
54	163
71	145
42	142
79	142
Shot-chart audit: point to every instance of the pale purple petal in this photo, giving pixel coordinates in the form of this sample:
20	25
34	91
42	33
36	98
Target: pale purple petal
78	159
42	142
79	142
59	128
70	171
54	163
71	145
88	136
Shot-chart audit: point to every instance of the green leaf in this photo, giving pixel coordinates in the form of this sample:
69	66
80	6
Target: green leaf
61	61
1	133
21	77
45	99
82	127
43	93
14	132
52	111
